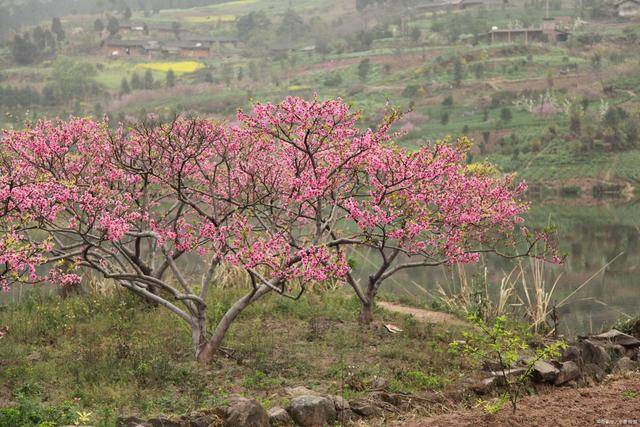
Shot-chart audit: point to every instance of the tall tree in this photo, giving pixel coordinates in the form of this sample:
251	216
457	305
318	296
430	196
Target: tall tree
148	79
98	25
113	26
39	38
170	78
364	67
136	83
56	28
124	86
24	52
458	71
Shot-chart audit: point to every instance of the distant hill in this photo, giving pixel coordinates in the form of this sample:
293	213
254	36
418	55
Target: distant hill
15	14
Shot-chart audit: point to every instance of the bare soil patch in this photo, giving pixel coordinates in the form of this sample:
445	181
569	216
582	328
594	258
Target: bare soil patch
614	402
421	314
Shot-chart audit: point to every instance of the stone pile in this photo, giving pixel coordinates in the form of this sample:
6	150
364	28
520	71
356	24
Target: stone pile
583	362
306	409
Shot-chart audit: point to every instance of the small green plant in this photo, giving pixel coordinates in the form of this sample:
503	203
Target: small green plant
424	381
83	417
505	341
493	406
630	394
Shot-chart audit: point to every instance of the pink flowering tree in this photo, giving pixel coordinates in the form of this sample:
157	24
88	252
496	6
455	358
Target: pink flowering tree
133	205
359	190
302	163
285	195
428	208
117	203
20	202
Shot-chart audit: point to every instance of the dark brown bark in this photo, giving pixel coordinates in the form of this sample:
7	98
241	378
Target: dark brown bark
206	349
366	313
367	304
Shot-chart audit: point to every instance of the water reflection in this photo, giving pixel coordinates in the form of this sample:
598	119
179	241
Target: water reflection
592	235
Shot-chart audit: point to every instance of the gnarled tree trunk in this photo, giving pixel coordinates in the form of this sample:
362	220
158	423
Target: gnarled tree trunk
207	348
367	304
366	312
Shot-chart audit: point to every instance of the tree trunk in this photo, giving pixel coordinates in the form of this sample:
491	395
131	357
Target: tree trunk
206	350
366	312
199	332
367	304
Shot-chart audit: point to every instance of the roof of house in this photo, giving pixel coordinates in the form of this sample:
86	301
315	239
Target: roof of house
125	43
131	24
516	30
621	2
186	44
209	39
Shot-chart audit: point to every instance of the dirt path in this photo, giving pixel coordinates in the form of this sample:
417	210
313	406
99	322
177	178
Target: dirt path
615	402
420	313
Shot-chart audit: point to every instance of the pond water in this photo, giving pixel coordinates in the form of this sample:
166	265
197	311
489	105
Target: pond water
593	235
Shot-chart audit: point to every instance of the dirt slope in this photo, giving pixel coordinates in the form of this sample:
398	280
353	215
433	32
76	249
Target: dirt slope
616	402
421	314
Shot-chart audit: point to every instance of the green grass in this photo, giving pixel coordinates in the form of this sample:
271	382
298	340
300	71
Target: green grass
113	355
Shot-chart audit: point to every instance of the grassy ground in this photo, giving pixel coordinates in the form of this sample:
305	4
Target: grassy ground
112	355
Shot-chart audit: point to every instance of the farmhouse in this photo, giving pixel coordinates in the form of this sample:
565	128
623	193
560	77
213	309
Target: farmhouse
121	48
465	4
627	8
454	4
131	27
189	49
157	28
154	48
551	30
211	40
165	28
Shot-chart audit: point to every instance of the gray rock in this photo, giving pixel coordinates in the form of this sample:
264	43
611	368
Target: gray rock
632	353
162	422
616	337
572	353
616	350
391	399
299	391
544	371
485	385
624	364
279	417
129	422
594	371
568	372
594	353
364	407
378	383
499	376
513	372
340	403
346	416
312	411
244	412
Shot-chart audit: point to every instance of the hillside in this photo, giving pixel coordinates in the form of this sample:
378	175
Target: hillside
552	111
